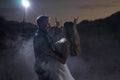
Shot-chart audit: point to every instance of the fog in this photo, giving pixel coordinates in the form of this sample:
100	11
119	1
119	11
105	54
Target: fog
99	60
17	63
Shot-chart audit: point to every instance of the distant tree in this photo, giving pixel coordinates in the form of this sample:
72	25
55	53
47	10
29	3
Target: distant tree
84	22
2	19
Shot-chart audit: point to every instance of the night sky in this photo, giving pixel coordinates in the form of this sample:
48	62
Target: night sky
64	10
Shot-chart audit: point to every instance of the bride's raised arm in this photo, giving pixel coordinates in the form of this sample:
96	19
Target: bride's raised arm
76	35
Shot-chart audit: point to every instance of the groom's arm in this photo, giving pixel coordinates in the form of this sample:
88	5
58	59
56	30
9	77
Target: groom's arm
53	54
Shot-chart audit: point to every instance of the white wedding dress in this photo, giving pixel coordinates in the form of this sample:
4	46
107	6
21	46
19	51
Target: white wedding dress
57	70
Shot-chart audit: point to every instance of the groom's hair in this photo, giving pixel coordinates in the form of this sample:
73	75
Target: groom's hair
41	19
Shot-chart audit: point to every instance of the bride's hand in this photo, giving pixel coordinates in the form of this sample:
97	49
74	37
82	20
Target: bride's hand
76	20
57	22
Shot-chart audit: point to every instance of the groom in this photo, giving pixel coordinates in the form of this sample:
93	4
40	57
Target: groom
43	52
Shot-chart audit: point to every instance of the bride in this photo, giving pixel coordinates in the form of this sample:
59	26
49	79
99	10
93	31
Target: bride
59	45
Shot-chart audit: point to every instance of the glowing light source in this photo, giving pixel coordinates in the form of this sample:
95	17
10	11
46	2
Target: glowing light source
26	3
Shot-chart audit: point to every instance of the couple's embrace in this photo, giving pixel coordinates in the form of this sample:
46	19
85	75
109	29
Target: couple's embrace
51	49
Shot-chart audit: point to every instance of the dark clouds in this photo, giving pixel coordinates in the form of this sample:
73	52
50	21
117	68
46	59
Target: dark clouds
95	6
103	5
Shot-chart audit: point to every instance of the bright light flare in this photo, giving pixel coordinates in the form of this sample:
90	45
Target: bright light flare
61	40
26	3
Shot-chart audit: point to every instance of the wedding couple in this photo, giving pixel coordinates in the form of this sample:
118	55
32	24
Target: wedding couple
51	49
